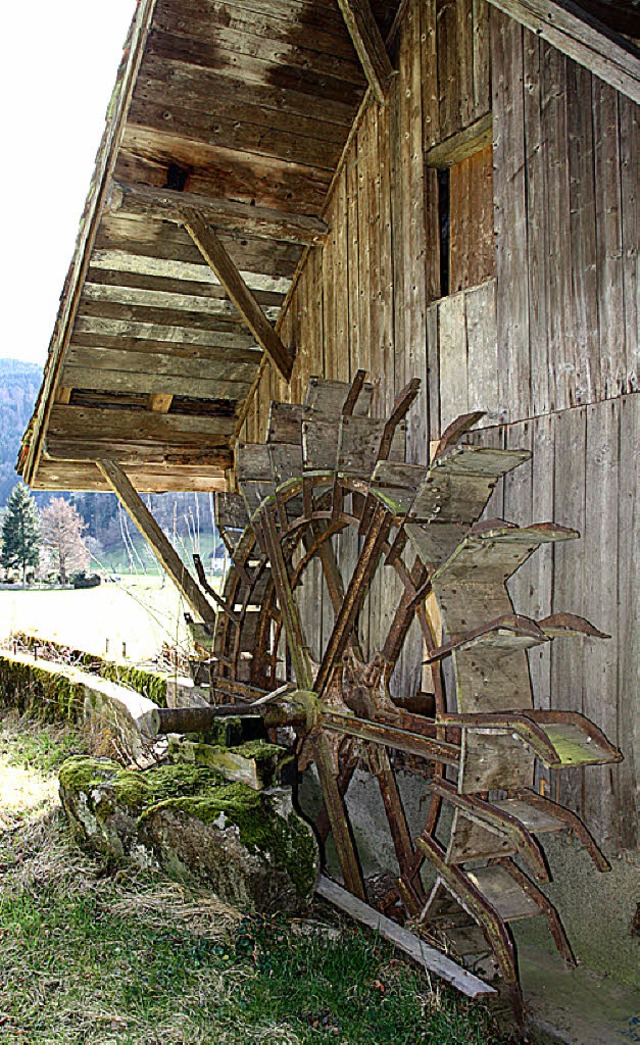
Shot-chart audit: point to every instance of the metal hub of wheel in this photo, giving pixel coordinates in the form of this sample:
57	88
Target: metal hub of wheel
324	496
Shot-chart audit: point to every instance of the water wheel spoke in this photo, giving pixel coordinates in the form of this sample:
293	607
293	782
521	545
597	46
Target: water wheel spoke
296	639
327	765
355	595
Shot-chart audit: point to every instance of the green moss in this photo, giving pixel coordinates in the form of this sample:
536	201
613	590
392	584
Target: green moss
200	793
151	684
81	774
135	789
287	839
262	750
45	694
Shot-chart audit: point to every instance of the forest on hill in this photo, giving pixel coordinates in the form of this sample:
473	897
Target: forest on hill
19	384
115	544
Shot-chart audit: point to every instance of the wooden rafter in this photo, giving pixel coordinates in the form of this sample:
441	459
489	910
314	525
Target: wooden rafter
369	45
582	38
162	548
215	254
266	222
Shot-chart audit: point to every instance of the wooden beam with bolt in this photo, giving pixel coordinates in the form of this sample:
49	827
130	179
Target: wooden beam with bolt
368	42
264	222
215	254
162	548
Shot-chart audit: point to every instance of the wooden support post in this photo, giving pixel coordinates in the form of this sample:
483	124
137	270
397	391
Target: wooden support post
162	548
216	256
368	42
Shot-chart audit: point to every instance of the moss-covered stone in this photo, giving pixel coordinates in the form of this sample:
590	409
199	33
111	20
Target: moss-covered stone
256	763
44	691
250	847
150	684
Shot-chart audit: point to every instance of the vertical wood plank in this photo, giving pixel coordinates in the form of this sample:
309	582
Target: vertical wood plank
482	352
630	180
540	567
415	345
600	545
512	303
481	60
454	377
583	235
340	369
569	577
387	360
536	246
628	674
353	260
433	372
609	239
448	48
429	59
553	66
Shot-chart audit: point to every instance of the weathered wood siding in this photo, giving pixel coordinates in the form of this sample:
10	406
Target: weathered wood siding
566	155
548	348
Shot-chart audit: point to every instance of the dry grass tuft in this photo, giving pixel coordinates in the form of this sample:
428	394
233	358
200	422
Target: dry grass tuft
171	903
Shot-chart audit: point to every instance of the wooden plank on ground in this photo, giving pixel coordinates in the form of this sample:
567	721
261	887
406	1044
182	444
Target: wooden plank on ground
417	949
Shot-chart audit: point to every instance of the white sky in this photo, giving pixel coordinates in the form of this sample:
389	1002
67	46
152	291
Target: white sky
59	65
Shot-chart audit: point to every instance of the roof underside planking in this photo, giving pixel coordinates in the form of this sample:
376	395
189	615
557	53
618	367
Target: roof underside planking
237	112
225	129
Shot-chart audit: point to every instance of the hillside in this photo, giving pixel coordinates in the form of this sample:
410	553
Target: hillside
19	384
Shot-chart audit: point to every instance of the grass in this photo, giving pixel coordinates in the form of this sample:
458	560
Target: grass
141	612
89	956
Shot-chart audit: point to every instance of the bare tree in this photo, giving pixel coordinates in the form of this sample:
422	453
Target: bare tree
62	536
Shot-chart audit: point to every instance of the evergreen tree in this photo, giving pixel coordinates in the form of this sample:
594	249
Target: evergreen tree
21	531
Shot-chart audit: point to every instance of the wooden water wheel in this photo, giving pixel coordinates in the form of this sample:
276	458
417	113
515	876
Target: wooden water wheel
328	469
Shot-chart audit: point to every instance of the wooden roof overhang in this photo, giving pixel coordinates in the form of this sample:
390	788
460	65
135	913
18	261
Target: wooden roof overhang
227	123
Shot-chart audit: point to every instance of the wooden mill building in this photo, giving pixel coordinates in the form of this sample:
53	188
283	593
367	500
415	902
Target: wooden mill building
435	189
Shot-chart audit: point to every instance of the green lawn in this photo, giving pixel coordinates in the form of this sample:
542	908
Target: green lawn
142	612
101	957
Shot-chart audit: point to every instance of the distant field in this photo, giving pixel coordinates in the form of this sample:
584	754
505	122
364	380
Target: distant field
142	561
140	611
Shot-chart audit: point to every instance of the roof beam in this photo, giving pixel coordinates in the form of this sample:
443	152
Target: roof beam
581	37
264	222
138	456
368	42
162	548
216	256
